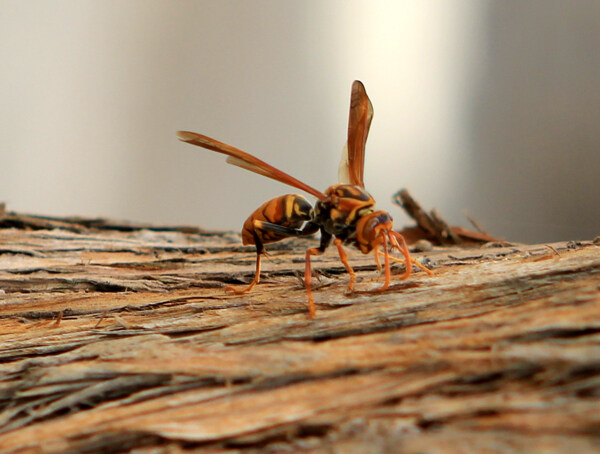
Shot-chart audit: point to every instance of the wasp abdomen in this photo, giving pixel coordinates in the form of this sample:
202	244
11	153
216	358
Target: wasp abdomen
290	210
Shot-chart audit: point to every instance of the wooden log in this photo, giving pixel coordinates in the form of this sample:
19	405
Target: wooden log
117	336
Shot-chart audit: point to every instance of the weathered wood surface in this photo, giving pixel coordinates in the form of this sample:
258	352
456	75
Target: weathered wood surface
116	337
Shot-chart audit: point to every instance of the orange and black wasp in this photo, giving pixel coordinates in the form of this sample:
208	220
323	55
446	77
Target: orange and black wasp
344	213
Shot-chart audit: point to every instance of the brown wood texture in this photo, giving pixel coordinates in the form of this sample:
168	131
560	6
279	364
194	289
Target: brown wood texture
118	337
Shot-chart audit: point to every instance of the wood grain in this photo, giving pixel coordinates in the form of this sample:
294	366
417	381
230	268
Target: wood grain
117	336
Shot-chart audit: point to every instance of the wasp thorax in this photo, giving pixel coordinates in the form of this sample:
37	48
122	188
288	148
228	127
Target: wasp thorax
348	191
343	207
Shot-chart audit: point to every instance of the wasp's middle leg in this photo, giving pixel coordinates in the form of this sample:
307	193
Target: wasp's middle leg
344	260
325	241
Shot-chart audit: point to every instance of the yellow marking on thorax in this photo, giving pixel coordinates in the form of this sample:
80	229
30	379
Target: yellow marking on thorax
365	211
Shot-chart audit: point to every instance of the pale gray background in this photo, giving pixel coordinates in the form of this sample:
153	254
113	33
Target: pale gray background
492	107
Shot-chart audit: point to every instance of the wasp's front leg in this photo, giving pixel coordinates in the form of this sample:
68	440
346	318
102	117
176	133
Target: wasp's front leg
399	243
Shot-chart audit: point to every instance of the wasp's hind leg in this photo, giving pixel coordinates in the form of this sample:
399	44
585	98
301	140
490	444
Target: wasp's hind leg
260	250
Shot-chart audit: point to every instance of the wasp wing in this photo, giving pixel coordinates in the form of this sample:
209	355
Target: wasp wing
352	165
247	161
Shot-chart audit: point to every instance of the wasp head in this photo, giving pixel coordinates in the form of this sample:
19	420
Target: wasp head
371	229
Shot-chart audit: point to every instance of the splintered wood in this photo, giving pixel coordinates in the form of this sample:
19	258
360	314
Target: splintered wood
431	226
117	337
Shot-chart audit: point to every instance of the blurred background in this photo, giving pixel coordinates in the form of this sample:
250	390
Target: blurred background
492	107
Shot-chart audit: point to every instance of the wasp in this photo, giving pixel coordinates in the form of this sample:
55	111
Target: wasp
345	213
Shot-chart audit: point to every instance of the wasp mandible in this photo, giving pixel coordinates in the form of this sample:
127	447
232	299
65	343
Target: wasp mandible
344	213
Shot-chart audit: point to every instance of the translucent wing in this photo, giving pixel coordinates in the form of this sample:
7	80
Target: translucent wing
353	156
247	161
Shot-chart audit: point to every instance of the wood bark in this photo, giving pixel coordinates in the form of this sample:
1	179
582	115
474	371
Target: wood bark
115	337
